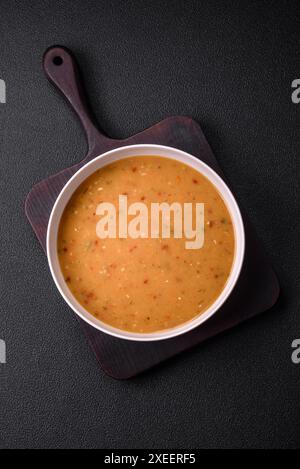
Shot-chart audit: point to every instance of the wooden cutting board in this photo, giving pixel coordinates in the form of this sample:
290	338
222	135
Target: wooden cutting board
257	289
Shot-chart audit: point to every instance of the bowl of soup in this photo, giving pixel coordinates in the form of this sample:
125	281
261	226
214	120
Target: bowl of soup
145	242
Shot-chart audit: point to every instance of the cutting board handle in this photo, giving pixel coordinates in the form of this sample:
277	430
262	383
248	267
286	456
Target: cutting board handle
61	69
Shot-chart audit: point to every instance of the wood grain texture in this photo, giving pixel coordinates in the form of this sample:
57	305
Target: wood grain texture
257	289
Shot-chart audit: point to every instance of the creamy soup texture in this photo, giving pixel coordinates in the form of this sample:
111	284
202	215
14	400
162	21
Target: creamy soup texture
145	285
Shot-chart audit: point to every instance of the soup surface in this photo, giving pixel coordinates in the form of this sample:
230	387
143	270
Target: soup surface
145	284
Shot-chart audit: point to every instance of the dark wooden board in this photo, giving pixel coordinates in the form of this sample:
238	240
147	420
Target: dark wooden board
257	289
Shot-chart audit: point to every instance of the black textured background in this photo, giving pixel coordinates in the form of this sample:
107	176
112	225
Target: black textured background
230	66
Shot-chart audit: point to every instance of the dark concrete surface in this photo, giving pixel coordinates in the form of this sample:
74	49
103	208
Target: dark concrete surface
230	66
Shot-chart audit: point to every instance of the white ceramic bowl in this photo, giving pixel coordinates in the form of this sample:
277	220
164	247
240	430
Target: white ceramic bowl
132	151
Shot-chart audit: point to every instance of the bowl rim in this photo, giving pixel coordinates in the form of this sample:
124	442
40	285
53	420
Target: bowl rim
115	155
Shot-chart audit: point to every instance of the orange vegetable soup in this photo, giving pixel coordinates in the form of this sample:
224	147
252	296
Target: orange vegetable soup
145	284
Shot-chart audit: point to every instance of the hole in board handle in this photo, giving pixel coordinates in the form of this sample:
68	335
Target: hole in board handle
58	60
